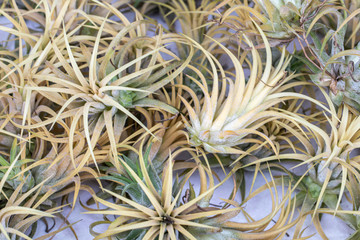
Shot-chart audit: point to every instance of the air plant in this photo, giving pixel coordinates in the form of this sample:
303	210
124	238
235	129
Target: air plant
102	89
281	20
153	208
21	201
23	111
325	183
337	68
220	127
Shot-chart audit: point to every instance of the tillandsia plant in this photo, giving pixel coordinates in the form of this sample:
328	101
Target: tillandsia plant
101	88
332	167
217	124
22	110
336	67
21	201
281	20
154	209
